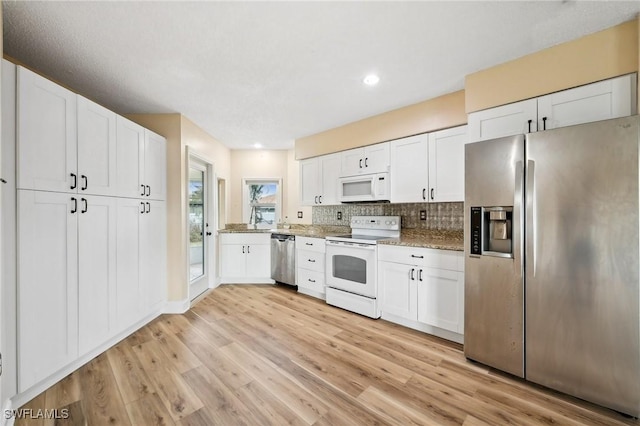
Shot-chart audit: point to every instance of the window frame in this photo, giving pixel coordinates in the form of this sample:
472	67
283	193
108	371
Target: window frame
246	207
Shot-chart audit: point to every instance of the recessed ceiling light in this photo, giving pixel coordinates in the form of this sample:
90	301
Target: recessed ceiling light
371	80
257	145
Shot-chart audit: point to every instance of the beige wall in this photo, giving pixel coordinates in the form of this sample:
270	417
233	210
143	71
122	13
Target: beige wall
433	114
181	132
595	57
249	164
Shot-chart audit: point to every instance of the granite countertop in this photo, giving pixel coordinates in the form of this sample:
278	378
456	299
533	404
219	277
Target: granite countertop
434	239
313	231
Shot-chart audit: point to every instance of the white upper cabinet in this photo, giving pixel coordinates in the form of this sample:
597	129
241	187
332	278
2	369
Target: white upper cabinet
130	155
506	120
46	134
309	181
153	170
594	102
329	174
409	169
96	149
446	164
319	180
370	159
603	100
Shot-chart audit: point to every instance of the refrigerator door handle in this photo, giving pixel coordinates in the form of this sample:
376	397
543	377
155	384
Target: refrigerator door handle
518	214
531	217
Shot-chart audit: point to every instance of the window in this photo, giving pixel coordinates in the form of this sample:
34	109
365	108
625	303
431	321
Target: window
262	202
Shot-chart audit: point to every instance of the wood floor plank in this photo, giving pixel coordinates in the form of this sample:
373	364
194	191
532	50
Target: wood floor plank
102	402
132	379
149	410
302	402
261	354
178	398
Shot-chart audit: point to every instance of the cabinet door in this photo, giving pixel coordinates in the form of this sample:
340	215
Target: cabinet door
97	319
233	260
441	299
398	289
129	158
446	164
329	174
47	284
309	182
506	120
352	162
409	169
96	149
155	165
598	101
153	255
128	274
258	261
376	158
46	136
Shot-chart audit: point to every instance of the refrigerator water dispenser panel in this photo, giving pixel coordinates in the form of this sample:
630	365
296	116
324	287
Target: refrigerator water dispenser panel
491	231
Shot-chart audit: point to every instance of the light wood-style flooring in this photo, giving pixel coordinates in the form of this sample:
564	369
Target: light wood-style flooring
265	355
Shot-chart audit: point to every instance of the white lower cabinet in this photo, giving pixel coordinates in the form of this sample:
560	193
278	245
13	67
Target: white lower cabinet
89	267
310	258
96	271
48	284
245	258
423	288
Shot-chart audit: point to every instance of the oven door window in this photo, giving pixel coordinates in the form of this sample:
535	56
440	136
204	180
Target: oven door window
350	268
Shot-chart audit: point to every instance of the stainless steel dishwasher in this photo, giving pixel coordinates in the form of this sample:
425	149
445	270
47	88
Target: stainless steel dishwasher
283	258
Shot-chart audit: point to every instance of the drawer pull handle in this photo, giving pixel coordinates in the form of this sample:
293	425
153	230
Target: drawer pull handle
312	260
310	280
309	244
417	257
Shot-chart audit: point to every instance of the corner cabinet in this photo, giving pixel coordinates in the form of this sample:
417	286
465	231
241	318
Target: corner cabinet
91	228
245	258
319	180
310	258
423	289
603	100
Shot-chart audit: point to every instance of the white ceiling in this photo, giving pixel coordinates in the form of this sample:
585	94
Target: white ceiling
271	72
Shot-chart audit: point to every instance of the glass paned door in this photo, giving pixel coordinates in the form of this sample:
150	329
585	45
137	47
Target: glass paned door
197	222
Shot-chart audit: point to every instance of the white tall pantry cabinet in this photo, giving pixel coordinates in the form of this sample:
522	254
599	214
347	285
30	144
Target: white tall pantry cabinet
91	228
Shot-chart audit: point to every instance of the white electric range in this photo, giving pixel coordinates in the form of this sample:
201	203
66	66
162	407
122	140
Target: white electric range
352	264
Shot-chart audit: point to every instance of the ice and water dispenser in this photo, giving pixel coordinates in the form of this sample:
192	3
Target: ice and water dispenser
491	231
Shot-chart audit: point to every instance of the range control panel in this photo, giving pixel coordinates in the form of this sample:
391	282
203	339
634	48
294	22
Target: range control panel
376	222
476	230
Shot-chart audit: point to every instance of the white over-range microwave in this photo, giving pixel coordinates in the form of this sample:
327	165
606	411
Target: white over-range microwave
363	188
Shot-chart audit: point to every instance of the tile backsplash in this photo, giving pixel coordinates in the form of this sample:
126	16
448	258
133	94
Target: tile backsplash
440	216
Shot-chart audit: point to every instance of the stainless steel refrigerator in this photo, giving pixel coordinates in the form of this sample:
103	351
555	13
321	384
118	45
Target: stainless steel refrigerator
552	259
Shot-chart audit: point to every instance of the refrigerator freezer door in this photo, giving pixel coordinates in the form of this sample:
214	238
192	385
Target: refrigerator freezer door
494	293
582	318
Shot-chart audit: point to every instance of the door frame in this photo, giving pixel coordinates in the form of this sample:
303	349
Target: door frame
210	251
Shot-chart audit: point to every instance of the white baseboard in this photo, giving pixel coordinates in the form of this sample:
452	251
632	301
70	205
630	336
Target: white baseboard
176	306
22	398
6	409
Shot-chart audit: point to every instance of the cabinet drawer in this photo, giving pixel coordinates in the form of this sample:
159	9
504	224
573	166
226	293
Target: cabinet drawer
311	280
311	260
310	244
248	238
442	259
